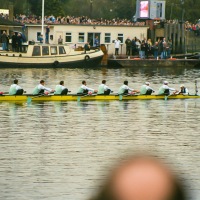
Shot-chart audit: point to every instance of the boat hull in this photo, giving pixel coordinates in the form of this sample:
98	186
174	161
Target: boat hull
92	62
153	62
22	98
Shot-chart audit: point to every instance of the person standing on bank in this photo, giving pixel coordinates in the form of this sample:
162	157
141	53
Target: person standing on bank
47	34
128	43
165	89
124	89
96	42
103	89
15	89
60	89
117	44
83	90
155	50
40	89
146	89
19	42
4	41
14	42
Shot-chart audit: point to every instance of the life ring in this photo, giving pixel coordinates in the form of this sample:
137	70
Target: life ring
87	58
56	63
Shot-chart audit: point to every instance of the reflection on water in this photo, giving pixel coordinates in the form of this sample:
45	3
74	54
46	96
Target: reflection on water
61	150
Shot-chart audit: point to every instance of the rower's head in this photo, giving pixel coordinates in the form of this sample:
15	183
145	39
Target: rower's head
104	82
141	177
125	82
61	82
182	86
42	82
15	81
147	83
84	82
165	82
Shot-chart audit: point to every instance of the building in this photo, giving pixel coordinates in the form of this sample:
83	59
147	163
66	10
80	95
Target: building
80	34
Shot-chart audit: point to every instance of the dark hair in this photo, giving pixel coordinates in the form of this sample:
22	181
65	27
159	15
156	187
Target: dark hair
104	81
125	82
15	81
83	82
61	82
42	81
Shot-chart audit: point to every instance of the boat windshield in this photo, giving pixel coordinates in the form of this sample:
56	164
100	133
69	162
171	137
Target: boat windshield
53	50
36	51
62	50
45	50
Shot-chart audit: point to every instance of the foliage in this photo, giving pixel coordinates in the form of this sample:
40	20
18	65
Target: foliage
103	8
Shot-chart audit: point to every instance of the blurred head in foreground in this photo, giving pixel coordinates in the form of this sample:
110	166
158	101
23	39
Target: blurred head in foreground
141	178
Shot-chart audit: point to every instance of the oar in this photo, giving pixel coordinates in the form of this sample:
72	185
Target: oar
79	97
29	99
196	88
2	93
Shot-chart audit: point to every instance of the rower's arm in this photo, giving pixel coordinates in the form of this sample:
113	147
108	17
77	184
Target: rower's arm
87	88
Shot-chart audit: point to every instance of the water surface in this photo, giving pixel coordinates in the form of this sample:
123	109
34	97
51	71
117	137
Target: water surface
62	150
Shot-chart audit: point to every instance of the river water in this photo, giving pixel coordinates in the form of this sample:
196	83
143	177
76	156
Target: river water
62	150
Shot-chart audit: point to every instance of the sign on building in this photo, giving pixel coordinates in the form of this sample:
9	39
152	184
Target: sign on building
150	9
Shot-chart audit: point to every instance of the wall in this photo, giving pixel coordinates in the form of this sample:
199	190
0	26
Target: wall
74	30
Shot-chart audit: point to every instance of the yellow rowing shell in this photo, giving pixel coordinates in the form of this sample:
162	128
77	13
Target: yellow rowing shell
93	97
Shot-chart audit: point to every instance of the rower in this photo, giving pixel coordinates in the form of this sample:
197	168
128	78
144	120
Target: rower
165	89
15	89
146	89
183	90
124	89
60	89
40	89
103	89
83	90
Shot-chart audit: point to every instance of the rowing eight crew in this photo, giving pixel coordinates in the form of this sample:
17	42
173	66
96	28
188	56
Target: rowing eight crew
103	89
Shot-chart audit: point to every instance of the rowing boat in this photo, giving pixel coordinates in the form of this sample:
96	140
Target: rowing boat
93	97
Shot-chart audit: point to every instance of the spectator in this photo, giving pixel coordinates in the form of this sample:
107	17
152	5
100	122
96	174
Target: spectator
14	42
47	34
133	46
4	41
19	42
117	44
155	50
96	41
128	46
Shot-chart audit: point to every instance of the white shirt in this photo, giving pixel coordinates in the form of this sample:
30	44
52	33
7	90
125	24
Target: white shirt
87	88
148	87
41	87
167	87
117	43
17	87
61	86
105	87
127	88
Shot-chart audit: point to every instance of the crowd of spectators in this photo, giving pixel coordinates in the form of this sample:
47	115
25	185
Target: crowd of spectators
193	27
4	16
33	19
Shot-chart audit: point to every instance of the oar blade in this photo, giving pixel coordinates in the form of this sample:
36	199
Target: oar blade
78	98
120	97
29	99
